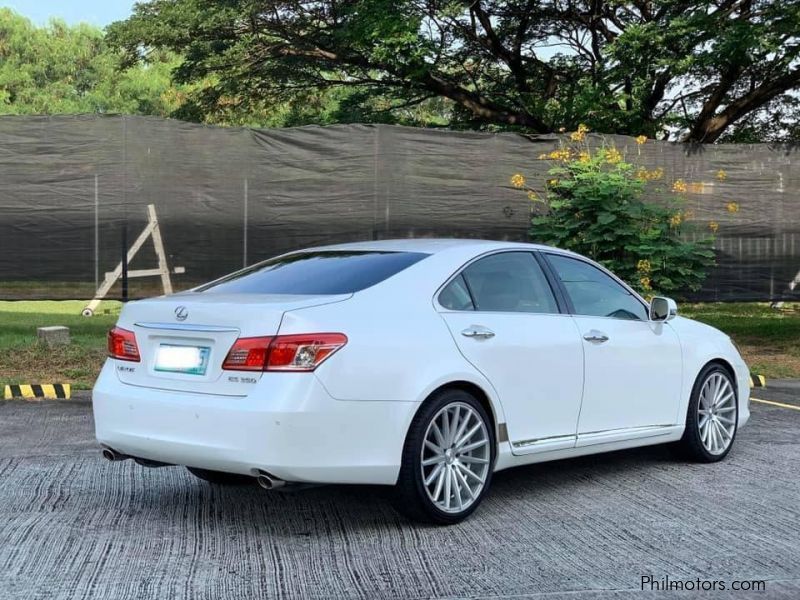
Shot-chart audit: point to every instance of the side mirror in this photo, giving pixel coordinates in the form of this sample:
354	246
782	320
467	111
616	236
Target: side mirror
663	309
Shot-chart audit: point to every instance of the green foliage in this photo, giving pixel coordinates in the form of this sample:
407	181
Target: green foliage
61	69
595	207
669	68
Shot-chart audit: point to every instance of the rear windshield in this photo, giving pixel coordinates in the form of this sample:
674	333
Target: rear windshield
315	273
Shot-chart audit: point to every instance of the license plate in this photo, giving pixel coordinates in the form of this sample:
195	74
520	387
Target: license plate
192	360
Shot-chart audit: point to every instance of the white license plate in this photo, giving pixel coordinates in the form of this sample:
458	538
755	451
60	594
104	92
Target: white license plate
192	360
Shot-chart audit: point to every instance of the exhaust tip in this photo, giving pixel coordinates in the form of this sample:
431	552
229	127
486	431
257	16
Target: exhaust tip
113	455
268	482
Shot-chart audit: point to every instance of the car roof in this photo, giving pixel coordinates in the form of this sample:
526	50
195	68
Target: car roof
431	245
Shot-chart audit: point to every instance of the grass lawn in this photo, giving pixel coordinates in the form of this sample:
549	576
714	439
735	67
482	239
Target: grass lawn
769	339
24	360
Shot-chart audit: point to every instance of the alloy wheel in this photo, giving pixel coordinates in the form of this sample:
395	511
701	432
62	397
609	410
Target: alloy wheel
716	413
455	457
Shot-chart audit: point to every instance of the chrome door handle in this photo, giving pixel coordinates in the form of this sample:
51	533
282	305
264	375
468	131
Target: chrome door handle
476	331
596	337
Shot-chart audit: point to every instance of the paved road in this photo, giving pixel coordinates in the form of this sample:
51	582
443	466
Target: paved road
75	526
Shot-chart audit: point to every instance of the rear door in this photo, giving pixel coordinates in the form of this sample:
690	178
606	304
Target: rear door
503	315
632	366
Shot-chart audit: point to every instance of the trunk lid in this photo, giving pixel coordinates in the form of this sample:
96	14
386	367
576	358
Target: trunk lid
204	325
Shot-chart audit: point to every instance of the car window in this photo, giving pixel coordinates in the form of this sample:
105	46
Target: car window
455	295
331	272
507	282
593	292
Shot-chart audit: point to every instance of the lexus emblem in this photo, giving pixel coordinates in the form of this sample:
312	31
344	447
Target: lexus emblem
181	313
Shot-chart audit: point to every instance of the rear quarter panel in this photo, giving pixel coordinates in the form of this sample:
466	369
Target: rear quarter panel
399	348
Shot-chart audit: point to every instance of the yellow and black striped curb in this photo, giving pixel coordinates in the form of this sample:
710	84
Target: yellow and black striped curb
38	391
758	381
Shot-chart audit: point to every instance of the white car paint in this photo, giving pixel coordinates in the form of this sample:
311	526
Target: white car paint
555	394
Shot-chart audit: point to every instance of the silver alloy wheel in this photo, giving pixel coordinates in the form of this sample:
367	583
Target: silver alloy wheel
716	413
455	457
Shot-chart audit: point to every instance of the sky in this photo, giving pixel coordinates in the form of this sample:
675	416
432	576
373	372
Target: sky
96	12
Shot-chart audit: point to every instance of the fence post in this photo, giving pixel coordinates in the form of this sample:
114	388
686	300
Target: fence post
125	261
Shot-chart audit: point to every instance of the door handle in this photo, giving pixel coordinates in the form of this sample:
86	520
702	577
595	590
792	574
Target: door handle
477	331
596	337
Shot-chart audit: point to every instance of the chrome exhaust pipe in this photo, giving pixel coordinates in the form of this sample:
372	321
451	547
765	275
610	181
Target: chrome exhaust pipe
268	482
113	455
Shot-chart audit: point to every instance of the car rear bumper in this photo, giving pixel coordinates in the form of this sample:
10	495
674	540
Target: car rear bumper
288	426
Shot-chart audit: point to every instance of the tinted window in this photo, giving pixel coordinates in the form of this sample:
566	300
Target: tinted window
509	282
456	295
594	293
316	273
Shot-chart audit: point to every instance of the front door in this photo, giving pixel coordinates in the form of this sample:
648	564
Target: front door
504	318
632	372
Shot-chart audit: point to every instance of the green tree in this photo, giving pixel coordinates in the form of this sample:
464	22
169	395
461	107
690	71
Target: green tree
62	69
667	68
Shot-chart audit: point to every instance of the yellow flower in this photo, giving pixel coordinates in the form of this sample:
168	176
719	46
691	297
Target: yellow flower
613	156
733	207
657	173
722	175
564	154
643	266
676	219
584	157
641	139
645	281
580	134
543	156
532	196
713	226
680	186
552	182
518	181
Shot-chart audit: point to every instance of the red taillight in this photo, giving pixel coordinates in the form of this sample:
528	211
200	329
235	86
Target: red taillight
248	354
302	352
122	345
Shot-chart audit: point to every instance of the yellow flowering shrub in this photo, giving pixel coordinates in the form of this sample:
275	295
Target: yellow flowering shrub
592	203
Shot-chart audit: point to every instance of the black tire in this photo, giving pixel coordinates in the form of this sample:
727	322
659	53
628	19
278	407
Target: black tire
220	478
411	497
691	444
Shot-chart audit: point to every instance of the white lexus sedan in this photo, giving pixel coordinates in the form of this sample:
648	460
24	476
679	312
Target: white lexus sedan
422	364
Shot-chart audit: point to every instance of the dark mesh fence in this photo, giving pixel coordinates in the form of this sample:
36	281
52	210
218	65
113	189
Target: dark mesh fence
73	188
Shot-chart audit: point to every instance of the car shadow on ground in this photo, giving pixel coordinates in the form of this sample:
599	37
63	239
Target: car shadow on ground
324	509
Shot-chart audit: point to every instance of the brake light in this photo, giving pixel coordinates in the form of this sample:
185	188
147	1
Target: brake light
302	352
122	345
248	354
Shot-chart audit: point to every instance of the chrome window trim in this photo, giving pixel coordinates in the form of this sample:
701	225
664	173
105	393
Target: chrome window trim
600	267
442	309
